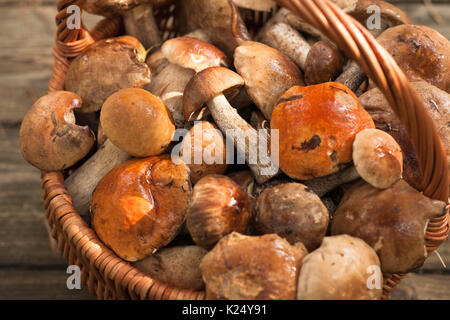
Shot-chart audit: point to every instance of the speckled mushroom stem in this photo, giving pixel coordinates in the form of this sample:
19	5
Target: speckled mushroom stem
140	23
227	118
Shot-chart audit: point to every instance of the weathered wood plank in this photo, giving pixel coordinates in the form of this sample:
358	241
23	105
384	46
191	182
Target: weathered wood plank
423	287
38	284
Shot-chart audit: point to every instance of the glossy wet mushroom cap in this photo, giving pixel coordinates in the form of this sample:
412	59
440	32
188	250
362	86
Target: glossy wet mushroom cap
392	221
317	127
249	267
294	212
218	207
341	269
140	206
137	122
378	158
267	73
204	151
323	63
49	138
99	70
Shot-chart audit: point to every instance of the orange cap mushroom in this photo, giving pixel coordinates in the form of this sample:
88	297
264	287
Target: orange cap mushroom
140	206
317	126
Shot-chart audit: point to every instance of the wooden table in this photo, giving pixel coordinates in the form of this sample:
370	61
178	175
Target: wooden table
29	269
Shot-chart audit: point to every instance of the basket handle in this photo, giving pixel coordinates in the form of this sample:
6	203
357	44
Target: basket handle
359	45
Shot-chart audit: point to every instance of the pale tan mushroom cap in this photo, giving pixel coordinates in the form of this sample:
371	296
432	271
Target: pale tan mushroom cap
340	270
49	138
378	158
192	53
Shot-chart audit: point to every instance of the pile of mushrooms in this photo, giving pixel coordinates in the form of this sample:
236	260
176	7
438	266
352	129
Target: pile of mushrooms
173	185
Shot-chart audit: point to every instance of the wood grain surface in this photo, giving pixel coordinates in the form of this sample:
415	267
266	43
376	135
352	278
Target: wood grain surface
29	269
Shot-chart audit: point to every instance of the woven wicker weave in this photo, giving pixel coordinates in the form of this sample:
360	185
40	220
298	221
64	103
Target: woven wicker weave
109	277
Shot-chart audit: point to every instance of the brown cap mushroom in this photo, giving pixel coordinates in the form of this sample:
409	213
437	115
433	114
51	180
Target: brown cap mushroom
49	138
392	221
421	52
140	206
294	212
209	86
176	266
378	158
317	126
203	150
137	122
218	207
323	63
99	70
436	101
267	73
341	269
246	268
114	7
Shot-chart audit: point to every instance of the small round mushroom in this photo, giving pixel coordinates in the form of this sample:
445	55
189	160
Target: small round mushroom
267	73
137	122
392	221
176	266
317	126
378	158
323	63
421	52
294	212
252	268
140	206
437	103
341	269
218	207
105	67
203	150
49	138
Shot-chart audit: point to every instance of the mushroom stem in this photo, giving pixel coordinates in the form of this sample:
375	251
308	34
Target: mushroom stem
140	23
227	119
352	77
83	181
283	37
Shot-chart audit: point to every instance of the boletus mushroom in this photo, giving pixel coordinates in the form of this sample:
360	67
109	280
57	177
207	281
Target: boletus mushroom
218	207
204	151
99	70
140	206
294	212
250	267
49	138
343	268
317	126
392	221
137	122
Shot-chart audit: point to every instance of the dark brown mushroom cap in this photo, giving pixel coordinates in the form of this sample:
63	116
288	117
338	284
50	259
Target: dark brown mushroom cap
436	101
378	158
323	63
340	270
421	52
293	212
246	268
208	84
204	151
217	207
192	53
267	73
105	67
137	122
392	221
49	138
140	206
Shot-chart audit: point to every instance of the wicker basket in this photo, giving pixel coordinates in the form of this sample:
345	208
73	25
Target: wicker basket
109	277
